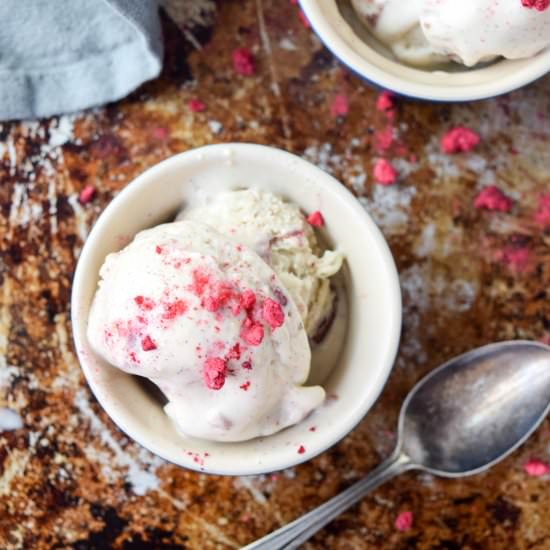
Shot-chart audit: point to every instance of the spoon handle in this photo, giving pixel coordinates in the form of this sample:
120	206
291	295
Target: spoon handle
294	534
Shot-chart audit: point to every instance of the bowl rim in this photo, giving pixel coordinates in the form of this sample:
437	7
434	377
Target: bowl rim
323	28
177	162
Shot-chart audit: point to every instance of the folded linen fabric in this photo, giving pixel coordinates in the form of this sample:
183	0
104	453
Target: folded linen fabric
59	56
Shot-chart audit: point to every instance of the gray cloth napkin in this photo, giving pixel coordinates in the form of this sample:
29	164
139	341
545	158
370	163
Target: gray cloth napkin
59	56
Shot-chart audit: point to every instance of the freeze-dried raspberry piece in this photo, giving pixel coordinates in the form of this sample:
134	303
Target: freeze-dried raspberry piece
147	344
492	198
384	173
243	62
459	140
214	372
539	5
273	313
404	521
252	333
316	219
87	194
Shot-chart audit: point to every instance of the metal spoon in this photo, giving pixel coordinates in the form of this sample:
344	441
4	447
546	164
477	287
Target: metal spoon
459	420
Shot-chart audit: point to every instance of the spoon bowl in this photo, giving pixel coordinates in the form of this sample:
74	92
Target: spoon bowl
477	408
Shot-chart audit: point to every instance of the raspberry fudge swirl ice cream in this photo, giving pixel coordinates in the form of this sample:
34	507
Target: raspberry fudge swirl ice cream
427	32
212	325
280	233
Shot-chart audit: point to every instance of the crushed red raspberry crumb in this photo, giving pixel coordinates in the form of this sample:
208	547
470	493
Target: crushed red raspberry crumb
272	313
144	303
243	62
404	521
539	5
247	365
459	140
214	373
536	468
384	173
174	309
316	219
234	352
158	249
196	105
542	215
245	386
160	133
492	198
339	106
147	344
87	194
301	450
248	299
252	333
217	299
384	101
313	428
516	258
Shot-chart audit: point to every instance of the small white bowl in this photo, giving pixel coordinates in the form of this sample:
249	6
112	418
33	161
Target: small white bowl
369	62
373	288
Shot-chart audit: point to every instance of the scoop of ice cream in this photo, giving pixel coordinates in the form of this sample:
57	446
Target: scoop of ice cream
425	32
210	323
279	232
472	31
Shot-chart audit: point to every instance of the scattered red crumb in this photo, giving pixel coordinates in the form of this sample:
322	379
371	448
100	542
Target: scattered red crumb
301	450
273	313
87	194
247	365
385	102
384	139
252	333
196	105
147	344
274	477
160	133
248	299
384	173
200	280
492	198
304	19
459	140
145	304
539	5
404	521
133	357
312	429
316	219
243	62
245	386
234	352
158	249
339	105
174	309
214	372
536	468
517	258
542	215
219	295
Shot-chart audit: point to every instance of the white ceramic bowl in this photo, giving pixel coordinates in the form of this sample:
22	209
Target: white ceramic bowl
460	85
373	287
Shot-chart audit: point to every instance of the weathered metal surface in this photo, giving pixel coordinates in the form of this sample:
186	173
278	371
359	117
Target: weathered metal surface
70	479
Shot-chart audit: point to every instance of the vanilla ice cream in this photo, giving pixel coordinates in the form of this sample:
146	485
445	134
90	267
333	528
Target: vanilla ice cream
280	234
428	32
212	325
